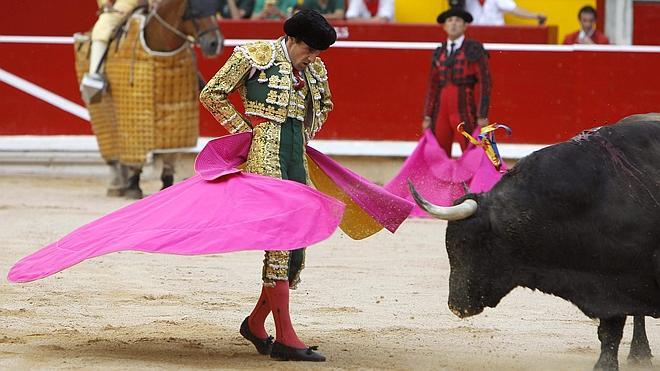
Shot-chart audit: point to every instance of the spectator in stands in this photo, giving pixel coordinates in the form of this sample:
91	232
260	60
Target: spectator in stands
236	9
491	12
588	34
371	10
331	9
459	83
273	9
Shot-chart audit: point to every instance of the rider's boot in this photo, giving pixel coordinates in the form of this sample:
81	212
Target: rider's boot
93	82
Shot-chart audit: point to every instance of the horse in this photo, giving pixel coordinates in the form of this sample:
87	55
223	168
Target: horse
151	101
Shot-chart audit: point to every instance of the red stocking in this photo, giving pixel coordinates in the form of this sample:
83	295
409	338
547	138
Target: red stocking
259	315
278	297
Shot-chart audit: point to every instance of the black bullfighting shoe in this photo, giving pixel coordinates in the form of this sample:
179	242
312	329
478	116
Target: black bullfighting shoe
263	346
285	353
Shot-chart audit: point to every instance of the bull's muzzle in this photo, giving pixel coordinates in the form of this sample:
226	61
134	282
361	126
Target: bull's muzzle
464	312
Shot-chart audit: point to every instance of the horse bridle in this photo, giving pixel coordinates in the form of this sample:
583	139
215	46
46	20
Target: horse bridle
188	15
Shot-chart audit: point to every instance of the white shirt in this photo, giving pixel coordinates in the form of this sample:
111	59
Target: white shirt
491	13
358	9
457	44
286	51
583	34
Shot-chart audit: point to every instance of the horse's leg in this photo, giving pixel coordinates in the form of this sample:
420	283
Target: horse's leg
133	190
169	164
640	351
118	179
610	331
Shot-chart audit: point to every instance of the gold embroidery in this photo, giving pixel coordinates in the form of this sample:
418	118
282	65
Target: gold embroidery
214	95
279	82
276	266
285	67
278	98
261	54
297	107
264	155
322	102
262	77
260	109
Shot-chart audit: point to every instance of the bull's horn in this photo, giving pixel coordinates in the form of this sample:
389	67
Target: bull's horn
461	211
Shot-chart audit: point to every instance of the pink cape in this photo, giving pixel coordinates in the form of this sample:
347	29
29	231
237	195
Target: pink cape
221	209
439	178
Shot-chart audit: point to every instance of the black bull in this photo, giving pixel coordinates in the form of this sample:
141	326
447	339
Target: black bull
579	220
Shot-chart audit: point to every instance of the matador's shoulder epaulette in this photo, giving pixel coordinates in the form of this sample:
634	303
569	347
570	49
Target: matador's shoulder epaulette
261	54
474	50
317	68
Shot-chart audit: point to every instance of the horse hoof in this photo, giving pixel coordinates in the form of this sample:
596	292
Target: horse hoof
115	192
133	194
644	362
168	181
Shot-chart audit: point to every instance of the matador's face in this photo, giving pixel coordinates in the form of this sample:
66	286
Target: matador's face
301	54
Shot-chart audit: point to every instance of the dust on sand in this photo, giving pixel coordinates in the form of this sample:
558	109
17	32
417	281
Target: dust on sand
374	304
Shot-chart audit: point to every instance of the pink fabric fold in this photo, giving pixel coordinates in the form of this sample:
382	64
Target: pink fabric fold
388	209
231	211
217	211
439	178
222	156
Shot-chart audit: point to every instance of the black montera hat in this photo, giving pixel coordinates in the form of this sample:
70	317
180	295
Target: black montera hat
312	28
455	12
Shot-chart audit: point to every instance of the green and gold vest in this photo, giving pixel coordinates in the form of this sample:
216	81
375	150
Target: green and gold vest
262	74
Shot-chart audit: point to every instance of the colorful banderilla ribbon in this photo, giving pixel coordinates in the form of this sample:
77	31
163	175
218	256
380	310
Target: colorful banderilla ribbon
486	140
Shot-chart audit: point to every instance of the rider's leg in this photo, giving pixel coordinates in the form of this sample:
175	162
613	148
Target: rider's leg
133	190
93	83
118	179
97	51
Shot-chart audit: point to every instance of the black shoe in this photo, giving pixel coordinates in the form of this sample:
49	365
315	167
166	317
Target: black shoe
285	353
263	346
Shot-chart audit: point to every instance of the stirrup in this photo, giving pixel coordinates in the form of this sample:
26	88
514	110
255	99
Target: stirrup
92	87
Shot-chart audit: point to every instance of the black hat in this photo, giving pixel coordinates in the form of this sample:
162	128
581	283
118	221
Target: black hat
312	28
455	12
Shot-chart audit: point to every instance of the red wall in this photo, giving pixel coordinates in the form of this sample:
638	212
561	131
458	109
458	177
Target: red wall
355	31
47	18
379	93
646	20
56	18
545	96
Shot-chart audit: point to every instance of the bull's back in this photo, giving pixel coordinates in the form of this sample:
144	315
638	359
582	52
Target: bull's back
596	196
589	209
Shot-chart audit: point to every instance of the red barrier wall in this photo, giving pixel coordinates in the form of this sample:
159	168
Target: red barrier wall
55	18
646	19
357	31
545	96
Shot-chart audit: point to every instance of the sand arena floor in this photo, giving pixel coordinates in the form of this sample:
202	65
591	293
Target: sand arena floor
373	304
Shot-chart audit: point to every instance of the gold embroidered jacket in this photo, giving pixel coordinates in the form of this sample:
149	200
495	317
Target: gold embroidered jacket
273	97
